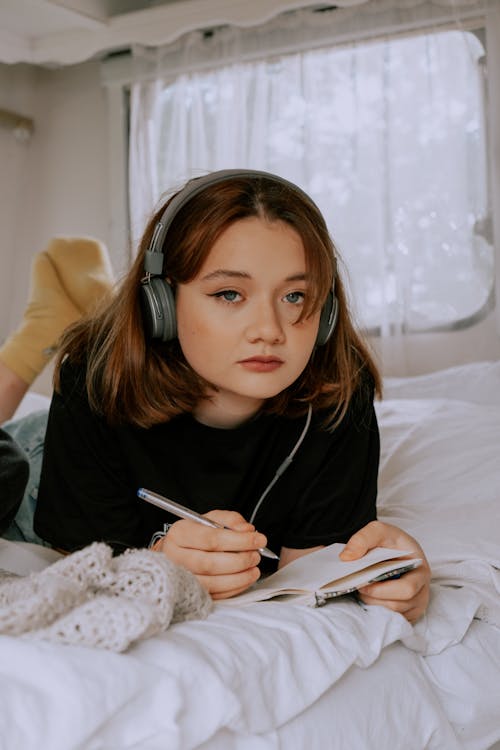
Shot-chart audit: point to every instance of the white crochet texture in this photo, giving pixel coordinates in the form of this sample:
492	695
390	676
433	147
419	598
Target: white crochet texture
91	598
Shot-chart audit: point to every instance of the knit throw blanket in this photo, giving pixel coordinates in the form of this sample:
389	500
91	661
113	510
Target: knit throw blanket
91	598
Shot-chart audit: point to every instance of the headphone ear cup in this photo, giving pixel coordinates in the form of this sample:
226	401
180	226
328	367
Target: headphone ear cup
158	309
328	319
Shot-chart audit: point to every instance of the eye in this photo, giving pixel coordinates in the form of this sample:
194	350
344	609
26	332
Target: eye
227	295
295	298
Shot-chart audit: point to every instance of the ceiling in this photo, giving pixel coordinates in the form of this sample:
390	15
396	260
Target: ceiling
43	31
63	32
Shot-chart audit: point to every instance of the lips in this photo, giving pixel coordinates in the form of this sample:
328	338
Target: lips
261	364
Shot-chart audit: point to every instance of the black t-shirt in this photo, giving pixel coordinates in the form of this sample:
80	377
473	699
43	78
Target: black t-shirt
91	473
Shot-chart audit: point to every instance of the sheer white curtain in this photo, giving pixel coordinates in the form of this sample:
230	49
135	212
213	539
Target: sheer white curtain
144	178
386	135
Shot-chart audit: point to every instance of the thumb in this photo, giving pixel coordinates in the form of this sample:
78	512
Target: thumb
355	548
362	541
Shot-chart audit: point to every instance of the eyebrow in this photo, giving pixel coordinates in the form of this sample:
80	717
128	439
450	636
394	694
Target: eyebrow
223	273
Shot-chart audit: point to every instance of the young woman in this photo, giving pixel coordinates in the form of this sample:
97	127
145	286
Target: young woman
227	352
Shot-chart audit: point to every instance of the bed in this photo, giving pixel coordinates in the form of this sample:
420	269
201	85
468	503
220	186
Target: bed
274	675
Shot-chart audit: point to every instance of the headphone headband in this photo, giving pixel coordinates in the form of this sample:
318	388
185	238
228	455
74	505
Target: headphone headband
157	298
153	261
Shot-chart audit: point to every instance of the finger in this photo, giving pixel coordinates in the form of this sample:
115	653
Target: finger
223	586
377	534
413	608
412	612
404	588
231	519
228	594
413	615
193	535
362	541
200	562
395	605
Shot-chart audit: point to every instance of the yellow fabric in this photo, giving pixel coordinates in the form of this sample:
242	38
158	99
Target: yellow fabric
68	279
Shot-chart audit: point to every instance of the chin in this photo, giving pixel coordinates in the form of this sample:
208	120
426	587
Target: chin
264	393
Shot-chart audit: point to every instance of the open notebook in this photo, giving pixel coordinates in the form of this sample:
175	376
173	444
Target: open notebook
313	579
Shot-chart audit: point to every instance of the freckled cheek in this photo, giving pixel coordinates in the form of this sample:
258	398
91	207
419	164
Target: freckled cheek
191	330
199	328
189	321
201	339
307	332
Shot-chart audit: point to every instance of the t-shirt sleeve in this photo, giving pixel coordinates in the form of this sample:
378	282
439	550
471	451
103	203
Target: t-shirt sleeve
340	498
85	494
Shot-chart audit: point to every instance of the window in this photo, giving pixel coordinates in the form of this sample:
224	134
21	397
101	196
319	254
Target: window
387	136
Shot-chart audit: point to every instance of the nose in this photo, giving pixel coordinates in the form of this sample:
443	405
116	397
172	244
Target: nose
265	324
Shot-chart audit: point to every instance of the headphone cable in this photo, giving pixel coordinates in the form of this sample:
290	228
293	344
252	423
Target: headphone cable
284	466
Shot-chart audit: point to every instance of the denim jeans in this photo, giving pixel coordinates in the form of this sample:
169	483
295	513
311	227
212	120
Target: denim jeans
29	434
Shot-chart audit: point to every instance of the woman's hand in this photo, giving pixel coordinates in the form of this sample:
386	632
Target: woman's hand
409	594
223	560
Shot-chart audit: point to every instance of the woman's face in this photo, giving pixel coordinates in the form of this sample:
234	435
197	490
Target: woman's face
237	319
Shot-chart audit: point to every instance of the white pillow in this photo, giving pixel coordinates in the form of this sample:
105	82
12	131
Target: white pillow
477	382
440	474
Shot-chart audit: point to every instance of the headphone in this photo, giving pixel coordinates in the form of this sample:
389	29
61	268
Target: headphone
157	297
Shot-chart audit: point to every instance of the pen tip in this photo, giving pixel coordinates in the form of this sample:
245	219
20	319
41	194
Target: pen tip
269	553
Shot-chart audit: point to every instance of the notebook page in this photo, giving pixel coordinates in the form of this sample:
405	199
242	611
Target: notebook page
310	572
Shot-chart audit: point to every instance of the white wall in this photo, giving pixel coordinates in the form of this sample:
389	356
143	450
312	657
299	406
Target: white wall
17	91
58	182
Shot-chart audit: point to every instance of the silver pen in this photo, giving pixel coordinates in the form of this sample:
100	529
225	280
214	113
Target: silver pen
182	512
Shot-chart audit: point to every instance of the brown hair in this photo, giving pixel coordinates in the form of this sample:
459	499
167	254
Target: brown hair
140	381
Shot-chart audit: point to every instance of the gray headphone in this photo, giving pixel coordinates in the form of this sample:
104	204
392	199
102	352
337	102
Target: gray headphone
157	297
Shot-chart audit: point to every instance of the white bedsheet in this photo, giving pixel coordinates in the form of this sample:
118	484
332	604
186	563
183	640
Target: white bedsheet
243	672
273	675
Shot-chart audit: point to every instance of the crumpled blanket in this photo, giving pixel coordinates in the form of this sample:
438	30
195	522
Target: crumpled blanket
90	598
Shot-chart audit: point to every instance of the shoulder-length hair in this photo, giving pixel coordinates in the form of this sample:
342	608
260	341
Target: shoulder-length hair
133	379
